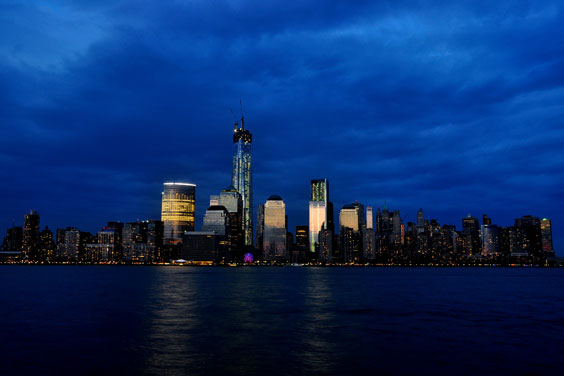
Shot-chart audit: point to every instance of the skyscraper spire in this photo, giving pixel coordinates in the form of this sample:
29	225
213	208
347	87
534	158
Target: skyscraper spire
242	177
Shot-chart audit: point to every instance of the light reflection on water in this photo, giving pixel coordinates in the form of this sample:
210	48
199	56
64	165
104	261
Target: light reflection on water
280	321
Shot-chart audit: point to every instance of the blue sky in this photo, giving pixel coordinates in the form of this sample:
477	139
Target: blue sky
456	107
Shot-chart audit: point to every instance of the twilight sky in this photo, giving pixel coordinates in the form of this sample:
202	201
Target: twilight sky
456	108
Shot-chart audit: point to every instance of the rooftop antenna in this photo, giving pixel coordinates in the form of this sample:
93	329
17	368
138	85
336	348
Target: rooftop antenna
242	117
236	124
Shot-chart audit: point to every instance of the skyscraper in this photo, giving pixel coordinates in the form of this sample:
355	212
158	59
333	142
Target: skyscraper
178	210
242	177
369	217
232	201
352	227
31	239
260	228
546	234
275	247
471	235
320	214
490	240
420	221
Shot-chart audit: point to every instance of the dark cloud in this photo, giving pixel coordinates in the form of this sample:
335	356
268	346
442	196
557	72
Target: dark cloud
453	107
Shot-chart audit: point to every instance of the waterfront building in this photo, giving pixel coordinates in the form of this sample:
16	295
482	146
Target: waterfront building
420	221
260	228
302	238
490	240
70	249
369	218
217	220
31	242
232	201
352	227
320	211
546	235
274	242
326	252
200	247
178	210
396	228
242	177
155	239
369	244
471	235
527	237
13	240
47	245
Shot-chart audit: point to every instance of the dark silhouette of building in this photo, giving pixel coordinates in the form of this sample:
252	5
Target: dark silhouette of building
31	245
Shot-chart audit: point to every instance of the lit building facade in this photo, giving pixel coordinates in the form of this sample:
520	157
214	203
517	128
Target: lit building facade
274	243
471	235
546	234
231	200
352	228
242	177
31	238
369	217
490	240
178	210
319	211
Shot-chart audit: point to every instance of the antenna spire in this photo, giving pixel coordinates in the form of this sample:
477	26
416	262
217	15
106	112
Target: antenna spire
242	116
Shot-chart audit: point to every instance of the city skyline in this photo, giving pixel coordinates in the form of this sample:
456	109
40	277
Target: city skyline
452	108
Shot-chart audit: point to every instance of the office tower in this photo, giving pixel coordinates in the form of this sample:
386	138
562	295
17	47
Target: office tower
135	238
318	211
231	200
527	237
155	239
386	220
106	246
420	221
369	244
275	247
471	235
326	246
217	220
546	235
260	228
200	247
396	227
369	218
242	177
490	240
47	245
13	240
71	246
31	243
178	210
352	227
486	220
302	238
378	221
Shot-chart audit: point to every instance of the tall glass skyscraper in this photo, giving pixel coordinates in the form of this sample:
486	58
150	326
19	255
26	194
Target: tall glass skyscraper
242	177
274	241
178	210
318	211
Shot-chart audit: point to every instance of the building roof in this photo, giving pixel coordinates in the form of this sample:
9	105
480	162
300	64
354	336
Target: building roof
217	207
274	198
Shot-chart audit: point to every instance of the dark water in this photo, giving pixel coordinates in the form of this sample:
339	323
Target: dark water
280	321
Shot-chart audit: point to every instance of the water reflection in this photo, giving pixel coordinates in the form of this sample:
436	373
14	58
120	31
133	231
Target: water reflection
174	318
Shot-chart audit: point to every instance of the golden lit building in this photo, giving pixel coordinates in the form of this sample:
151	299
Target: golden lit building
178	210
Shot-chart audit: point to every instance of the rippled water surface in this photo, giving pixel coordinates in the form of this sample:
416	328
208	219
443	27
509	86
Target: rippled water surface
280	321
